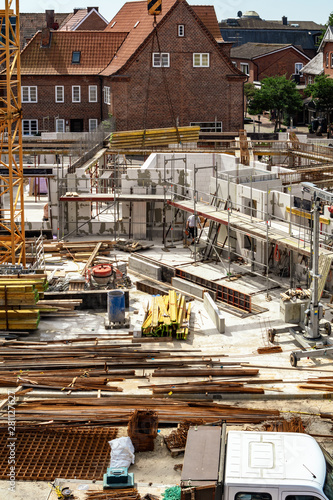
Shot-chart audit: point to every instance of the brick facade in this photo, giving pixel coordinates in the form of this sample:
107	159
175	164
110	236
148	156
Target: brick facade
197	94
47	110
280	63
138	90
328	59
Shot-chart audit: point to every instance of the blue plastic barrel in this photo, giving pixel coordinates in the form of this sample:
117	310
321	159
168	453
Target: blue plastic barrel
116	305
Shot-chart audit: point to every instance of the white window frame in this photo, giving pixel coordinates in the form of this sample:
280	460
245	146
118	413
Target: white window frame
74	97
60	125
29	94
310	80
161	59
29	127
107	95
93	124
61	90
245	68
92	93
198	60
298	68
327	56
215	126
181	30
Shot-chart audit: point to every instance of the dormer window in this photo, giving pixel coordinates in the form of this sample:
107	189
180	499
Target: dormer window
76	57
181	30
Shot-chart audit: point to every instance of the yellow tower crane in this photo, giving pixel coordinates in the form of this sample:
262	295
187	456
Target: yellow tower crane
12	235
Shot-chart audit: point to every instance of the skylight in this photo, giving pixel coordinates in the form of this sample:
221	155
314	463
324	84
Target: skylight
76	56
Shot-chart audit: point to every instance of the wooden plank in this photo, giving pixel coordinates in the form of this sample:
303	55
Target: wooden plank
91	258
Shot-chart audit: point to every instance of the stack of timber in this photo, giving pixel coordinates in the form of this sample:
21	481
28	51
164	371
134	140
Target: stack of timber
153	137
118	409
168	316
78	250
319	384
114	494
20	292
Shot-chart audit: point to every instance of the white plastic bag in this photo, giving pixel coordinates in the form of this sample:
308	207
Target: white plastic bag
122	452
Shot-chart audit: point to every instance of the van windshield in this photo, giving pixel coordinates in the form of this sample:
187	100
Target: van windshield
328	486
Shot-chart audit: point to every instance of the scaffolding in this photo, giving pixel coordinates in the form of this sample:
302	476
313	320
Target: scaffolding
12	234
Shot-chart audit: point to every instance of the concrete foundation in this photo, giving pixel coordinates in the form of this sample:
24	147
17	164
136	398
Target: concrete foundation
214	312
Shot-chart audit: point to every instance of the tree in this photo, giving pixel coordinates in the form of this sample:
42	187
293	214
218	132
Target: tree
278	95
321	92
249	91
329	23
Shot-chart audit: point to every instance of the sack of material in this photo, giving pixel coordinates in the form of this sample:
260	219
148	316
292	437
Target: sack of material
122	452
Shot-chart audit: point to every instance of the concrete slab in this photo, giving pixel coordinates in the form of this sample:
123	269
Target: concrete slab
144	268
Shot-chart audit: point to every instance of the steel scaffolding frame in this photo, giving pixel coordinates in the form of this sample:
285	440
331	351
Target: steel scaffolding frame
12	234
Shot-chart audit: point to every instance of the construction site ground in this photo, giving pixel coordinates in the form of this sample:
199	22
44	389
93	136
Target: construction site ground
244	334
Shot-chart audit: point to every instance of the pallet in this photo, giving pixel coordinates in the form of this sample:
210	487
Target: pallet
76	286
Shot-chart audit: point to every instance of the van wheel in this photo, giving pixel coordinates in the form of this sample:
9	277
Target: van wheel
271	335
328	328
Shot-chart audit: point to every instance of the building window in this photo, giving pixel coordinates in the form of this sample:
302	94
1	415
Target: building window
200	60
30	127
298	68
76	93
326	59
29	94
244	67
234	63
107	96
76	57
161	59
310	80
60	125
92	124
92	93
59	93
181	30
208	126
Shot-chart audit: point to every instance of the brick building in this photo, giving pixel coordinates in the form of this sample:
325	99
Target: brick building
145	76
260	60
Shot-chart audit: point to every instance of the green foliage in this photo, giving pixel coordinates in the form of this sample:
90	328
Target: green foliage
321	92
278	95
329	23
249	90
172	493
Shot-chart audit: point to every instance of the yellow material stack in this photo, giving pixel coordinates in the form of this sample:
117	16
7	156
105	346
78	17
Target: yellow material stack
168	316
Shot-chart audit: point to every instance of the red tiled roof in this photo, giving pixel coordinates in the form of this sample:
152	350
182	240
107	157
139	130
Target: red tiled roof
130	15
73	19
207	15
134	18
97	50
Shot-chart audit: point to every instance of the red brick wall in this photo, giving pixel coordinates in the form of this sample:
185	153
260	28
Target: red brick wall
47	107
328	66
280	63
93	23
197	94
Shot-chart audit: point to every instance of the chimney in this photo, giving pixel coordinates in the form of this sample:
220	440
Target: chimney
89	9
284	20
49	18
45	41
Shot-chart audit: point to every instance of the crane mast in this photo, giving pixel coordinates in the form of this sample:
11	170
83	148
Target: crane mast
12	234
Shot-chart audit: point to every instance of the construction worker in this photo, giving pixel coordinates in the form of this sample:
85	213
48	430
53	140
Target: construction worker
191	227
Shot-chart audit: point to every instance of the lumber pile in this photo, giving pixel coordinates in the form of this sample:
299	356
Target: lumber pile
123	494
18	296
168	316
269	349
293	294
153	137
67	248
132	245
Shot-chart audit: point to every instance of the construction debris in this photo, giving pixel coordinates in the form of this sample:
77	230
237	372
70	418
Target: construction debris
269	349
132	246
176	440
293	294
123	494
